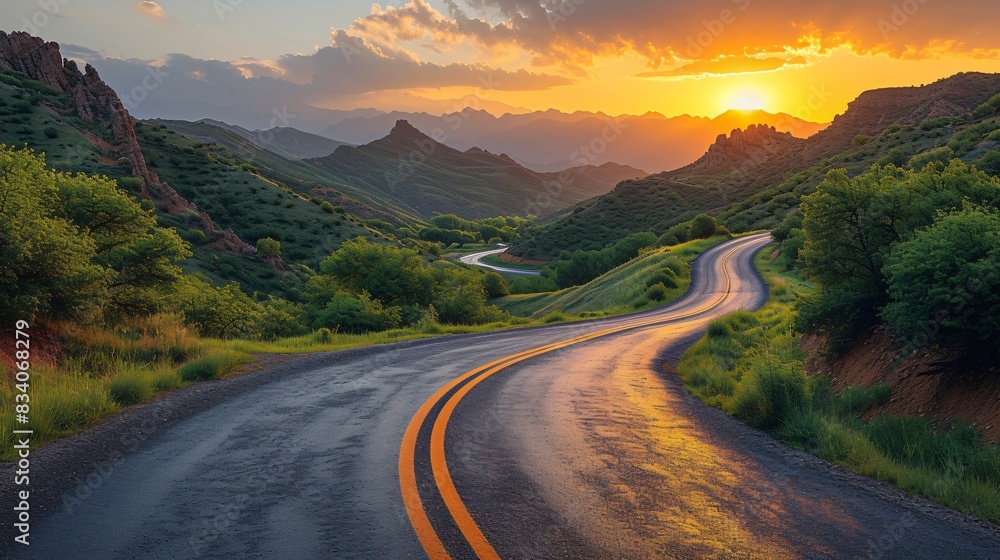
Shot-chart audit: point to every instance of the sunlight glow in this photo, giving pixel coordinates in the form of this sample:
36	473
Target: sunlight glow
746	101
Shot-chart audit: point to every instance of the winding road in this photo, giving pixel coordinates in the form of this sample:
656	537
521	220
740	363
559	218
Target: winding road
476	259
563	441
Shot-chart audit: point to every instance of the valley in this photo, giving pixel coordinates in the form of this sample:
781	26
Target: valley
493	330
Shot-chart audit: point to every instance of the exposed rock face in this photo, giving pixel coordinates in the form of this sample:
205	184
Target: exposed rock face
743	149
96	102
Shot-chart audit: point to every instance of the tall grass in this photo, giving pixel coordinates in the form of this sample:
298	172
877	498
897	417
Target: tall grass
750	365
90	372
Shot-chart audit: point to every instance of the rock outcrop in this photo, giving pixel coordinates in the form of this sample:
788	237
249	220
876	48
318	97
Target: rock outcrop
743	149
95	102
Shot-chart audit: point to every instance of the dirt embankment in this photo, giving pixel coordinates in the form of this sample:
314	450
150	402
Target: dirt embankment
926	383
518	260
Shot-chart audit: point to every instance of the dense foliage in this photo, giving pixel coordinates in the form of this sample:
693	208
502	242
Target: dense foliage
77	246
911	248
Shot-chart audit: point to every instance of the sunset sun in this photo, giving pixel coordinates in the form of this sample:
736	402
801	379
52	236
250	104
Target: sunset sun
746	101
499	279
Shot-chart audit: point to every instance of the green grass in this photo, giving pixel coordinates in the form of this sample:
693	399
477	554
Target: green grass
621	290
326	341
216	363
102	371
751	366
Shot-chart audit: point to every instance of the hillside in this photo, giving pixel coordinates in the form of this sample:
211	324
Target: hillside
425	177
552	140
662	200
757	189
221	197
282	140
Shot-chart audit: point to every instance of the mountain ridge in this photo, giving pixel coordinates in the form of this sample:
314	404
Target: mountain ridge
427	177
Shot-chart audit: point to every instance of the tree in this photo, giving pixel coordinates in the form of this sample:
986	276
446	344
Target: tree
391	275
217	312
945	281
701	227
138	255
850	225
46	262
268	247
357	314
495	285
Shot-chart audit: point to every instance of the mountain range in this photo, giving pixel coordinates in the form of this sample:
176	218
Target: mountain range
552	140
416	172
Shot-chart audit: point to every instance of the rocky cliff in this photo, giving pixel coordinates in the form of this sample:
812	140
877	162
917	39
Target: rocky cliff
742	149
95	102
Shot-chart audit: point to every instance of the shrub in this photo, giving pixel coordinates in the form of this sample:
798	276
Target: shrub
665	277
657	292
51	133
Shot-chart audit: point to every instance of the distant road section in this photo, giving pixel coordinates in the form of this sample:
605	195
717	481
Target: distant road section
476	260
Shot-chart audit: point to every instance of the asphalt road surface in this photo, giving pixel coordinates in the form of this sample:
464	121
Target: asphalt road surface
565	441
476	259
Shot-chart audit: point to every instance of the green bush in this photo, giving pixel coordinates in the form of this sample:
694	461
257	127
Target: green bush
657	292
665	277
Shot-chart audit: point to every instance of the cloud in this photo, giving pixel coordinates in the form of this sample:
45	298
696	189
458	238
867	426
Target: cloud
727	65
151	9
247	90
673	33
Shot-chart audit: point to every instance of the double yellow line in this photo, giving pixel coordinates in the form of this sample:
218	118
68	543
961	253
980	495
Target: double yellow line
442	477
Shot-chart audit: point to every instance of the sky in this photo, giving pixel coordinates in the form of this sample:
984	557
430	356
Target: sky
808	59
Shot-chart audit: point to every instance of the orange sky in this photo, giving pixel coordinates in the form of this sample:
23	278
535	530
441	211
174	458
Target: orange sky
700	57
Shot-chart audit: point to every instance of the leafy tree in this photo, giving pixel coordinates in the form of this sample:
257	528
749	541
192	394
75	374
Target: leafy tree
268	247
850	225
357	314
46	261
990	162
495	285
701	227
451	221
390	275
945	281
941	156
220	312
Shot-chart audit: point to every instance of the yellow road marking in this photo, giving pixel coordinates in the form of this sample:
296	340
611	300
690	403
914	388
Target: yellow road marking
439	466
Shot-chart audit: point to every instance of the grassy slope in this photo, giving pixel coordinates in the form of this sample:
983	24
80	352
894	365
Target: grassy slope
750	365
621	290
305	179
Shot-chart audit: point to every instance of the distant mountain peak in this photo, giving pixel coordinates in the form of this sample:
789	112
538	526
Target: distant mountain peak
404	129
